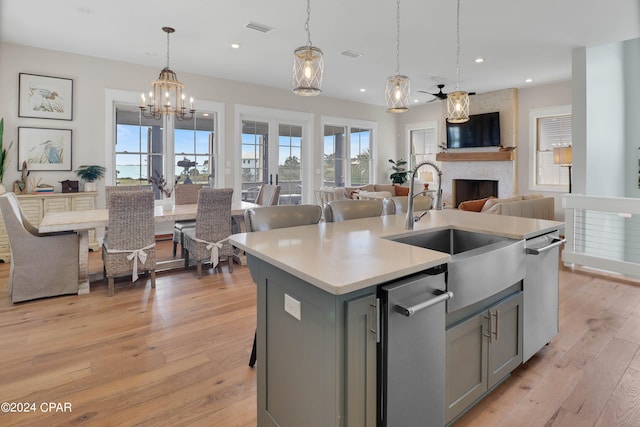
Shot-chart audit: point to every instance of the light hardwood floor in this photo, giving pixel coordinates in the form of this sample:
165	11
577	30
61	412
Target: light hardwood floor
178	356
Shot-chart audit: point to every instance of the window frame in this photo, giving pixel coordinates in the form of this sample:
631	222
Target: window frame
114	97
348	125
534	115
408	148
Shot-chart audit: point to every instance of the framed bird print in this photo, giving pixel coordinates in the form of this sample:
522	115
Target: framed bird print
45	97
44	149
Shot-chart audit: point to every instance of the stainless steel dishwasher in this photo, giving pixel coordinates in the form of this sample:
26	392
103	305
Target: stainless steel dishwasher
540	292
411	350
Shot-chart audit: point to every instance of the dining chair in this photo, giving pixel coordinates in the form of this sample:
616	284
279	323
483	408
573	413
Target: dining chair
110	189
186	194
42	264
272	217
131	244
343	210
208	240
268	195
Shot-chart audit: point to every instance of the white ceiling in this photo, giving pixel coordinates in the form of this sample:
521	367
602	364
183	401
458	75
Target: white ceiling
518	39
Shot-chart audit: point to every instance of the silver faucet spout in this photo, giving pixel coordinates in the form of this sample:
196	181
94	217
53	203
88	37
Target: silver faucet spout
410	219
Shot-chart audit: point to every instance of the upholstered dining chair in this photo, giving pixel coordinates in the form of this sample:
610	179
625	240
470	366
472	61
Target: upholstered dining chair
186	194
343	210
272	217
208	240
131	245
398	204
42	265
268	195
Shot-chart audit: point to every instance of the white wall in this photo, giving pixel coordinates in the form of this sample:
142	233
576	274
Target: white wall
91	76
605	121
631	71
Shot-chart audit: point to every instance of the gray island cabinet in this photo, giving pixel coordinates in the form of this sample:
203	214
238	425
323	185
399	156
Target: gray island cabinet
325	320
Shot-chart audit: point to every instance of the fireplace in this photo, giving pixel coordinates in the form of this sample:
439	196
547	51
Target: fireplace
472	189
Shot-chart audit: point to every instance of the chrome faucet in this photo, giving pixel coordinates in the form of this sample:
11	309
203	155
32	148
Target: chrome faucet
410	217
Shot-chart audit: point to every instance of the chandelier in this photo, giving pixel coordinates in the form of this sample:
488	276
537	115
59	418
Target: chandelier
397	89
167	98
308	65
458	101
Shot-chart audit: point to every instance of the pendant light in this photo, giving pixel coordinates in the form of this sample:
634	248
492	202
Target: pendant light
166	98
397	89
458	101
308	66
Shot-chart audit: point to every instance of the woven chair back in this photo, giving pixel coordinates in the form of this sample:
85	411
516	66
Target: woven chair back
131	223
187	194
213	217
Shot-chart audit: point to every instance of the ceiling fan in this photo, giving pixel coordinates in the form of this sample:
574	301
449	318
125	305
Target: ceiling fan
440	94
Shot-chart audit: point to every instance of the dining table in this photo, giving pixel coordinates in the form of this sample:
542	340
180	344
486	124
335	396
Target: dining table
83	221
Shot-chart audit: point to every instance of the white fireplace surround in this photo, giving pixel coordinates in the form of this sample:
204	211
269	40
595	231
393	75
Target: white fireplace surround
501	171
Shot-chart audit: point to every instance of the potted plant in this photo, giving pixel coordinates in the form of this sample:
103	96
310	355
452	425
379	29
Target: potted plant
399	175
90	174
3	157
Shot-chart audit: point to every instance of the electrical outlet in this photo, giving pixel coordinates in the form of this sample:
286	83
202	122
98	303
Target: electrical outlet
292	306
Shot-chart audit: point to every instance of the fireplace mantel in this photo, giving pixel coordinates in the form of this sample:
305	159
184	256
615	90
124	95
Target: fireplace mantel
481	156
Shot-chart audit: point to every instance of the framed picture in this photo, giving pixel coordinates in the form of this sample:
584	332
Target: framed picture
45	97
44	149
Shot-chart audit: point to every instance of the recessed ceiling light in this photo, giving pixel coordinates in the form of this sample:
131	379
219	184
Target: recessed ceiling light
205	114
416	101
85	10
363	90
529	80
478	60
235	45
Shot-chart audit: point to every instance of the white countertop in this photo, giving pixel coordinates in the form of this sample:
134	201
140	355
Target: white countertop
342	257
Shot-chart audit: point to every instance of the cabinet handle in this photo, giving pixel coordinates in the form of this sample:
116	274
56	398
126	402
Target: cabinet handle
410	311
497	316
489	334
553	244
376	331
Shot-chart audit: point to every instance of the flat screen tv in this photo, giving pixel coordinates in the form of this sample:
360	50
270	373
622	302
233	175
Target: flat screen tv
482	130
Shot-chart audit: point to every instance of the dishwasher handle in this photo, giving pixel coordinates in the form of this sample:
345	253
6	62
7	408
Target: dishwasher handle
554	244
410	311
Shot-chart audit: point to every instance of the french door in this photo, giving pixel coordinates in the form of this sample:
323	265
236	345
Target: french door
272	154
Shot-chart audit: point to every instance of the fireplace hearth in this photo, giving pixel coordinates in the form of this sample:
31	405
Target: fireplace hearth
472	189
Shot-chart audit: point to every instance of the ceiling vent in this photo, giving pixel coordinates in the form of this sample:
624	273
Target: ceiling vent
259	27
351	53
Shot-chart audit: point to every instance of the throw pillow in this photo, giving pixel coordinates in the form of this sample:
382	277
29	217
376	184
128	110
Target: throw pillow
473	205
402	191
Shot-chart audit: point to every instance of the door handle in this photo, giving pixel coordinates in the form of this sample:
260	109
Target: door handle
410	311
277	179
554	243
270	179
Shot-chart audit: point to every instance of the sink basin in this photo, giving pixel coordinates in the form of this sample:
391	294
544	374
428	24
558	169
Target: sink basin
450	240
481	264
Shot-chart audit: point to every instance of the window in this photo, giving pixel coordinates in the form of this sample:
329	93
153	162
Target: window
193	146
549	128
141	147
347	144
423	143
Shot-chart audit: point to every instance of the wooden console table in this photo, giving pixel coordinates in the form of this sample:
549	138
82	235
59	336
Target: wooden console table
35	206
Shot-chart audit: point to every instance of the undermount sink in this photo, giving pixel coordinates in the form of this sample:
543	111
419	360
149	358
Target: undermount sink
481	264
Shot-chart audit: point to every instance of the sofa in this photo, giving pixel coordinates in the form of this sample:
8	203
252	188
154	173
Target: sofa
394	197
527	205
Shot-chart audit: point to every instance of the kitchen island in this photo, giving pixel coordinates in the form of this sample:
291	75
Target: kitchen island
319	331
